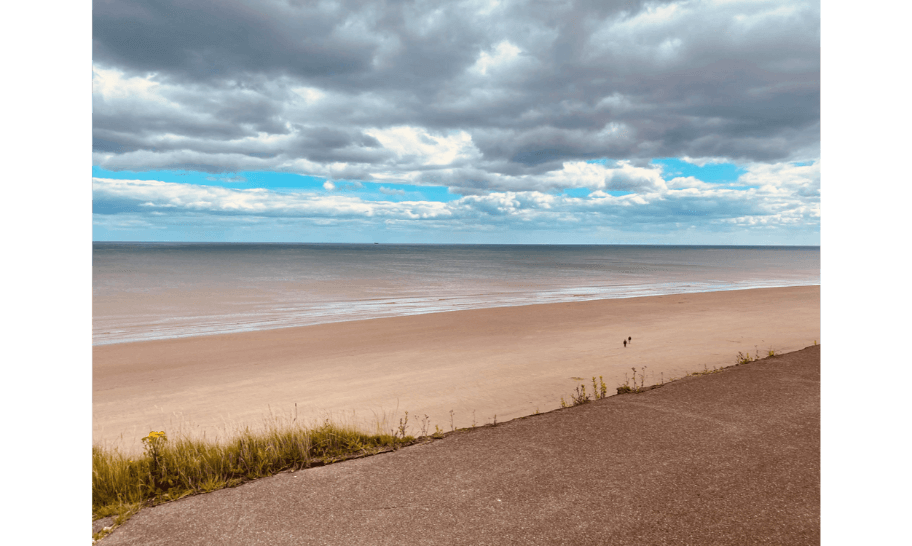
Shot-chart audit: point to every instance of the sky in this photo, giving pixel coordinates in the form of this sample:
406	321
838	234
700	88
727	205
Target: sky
597	122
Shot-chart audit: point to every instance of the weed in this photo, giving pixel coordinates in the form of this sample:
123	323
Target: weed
563	404
599	390
438	432
625	388
452	426
742	358
403	423
424	425
580	397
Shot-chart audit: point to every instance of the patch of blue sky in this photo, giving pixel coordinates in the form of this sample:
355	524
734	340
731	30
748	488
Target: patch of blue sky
576	192
713	173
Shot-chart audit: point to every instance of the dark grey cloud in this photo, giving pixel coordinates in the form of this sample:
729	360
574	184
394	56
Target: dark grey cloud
223	40
300	86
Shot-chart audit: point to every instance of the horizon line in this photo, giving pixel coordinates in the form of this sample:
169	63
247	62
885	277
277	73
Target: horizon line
437	244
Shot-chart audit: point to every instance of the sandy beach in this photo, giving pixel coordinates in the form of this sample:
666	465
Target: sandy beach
508	362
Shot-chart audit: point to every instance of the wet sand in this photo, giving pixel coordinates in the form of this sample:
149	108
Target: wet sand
506	362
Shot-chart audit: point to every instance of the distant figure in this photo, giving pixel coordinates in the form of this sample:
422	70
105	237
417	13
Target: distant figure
630	339
625	343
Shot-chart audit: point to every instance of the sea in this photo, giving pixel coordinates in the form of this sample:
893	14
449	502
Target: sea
147	291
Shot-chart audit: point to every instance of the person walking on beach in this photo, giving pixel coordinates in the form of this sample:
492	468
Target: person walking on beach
625	343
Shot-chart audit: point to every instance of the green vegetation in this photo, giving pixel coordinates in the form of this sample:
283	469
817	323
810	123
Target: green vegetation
599	391
744	358
626	388
741	358
168	469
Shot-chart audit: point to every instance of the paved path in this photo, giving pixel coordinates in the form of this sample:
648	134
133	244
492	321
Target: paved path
726	458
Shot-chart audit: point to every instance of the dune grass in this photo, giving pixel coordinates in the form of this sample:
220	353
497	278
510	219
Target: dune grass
171	469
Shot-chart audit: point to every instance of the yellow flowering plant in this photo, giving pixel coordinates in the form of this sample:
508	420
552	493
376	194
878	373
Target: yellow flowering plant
153	443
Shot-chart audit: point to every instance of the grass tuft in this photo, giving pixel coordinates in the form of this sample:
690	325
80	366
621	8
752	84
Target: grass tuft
580	397
171	469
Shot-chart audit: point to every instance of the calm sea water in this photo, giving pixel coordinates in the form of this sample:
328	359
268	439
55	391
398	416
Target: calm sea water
145	291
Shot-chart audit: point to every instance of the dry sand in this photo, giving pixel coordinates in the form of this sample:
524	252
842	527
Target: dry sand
506	362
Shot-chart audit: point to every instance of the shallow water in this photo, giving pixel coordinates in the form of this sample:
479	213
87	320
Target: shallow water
143	291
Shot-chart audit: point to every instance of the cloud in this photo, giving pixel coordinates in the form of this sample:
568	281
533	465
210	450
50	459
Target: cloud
661	208
229	179
785	179
391	191
488	96
502	55
342	186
